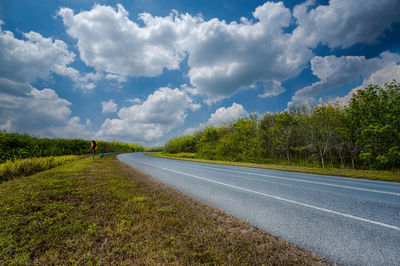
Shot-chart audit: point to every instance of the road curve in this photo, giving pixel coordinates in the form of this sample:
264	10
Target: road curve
347	221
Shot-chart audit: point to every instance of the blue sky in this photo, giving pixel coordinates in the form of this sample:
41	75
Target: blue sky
145	71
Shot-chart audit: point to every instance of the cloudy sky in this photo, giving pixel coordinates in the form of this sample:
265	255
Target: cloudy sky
143	71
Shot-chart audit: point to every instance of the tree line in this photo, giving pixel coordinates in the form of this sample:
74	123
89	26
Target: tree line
17	146
365	134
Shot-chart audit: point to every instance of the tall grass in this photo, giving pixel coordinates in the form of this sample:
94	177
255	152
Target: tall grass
26	167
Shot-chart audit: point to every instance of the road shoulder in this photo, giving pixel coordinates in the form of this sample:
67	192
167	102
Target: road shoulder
389	176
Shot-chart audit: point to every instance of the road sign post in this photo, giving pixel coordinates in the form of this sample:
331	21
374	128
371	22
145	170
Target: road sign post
93	146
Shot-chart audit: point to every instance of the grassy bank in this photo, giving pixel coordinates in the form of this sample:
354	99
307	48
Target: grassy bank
392	176
104	212
25	167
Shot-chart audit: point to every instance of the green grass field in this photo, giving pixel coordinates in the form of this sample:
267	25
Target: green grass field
391	176
104	212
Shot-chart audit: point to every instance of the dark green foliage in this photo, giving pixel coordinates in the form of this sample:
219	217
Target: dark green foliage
17	146
240	141
364	134
375	116
207	141
182	144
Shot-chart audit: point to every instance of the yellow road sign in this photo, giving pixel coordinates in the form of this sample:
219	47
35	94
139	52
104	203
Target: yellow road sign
93	145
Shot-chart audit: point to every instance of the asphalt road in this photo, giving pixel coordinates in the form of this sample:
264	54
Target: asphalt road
347	221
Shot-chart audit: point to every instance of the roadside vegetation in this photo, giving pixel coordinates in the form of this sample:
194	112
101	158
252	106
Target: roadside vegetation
363	135
391	176
18	146
25	167
104	212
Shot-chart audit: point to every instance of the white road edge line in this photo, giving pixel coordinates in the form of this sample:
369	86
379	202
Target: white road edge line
280	198
305	181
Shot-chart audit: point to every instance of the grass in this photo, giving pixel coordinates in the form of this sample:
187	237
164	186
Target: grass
104	212
25	167
391	176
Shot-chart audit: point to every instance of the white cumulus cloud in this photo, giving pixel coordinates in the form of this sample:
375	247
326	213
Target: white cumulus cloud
36	57
109	107
272	88
344	23
222	57
27	109
134	100
380	77
336	71
162	111
221	116
26	60
41	112
109	41
226	115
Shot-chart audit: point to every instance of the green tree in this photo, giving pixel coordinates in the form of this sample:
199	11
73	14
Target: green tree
324	123
241	141
375	119
207	143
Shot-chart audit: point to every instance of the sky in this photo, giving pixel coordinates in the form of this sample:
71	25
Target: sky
145	71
